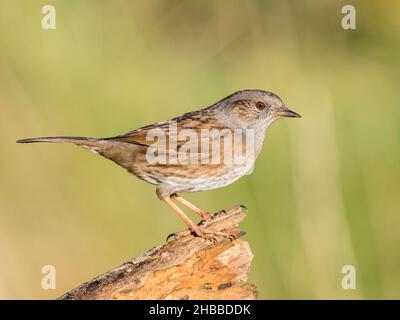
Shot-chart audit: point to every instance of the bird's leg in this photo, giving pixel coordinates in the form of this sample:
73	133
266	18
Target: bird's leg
198	230
205	216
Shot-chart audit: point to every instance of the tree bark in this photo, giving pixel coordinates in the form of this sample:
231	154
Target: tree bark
185	268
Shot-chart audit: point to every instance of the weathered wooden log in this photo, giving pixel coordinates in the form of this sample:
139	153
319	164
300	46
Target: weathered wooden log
185	268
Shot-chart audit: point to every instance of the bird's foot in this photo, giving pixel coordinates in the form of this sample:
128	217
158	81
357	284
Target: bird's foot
212	235
207	217
202	232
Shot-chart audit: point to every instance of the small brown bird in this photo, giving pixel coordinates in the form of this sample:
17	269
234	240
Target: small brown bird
200	150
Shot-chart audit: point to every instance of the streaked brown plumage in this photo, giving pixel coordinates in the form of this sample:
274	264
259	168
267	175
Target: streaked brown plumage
251	110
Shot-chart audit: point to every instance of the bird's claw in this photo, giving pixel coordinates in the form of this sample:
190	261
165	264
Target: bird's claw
177	235
170	236
212	235
204	233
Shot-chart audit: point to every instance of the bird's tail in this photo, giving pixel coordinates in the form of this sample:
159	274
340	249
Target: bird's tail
80	141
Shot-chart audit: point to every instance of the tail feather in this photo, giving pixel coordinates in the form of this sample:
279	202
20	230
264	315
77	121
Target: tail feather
113	150
81	141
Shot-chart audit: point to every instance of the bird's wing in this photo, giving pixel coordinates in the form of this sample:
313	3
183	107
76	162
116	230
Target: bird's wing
175	133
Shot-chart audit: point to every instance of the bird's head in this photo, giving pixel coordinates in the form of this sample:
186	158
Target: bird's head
249	108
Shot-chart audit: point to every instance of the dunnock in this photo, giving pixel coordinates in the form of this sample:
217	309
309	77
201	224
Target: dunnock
154	153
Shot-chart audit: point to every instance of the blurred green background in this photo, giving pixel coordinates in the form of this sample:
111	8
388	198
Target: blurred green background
324	192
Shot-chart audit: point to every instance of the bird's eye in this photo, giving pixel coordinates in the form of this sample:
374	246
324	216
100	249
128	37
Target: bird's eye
260	105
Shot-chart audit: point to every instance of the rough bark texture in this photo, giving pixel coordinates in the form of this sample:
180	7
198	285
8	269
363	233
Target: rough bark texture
185	268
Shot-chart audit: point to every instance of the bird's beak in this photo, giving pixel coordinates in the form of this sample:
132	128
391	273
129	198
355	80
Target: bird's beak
285	112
